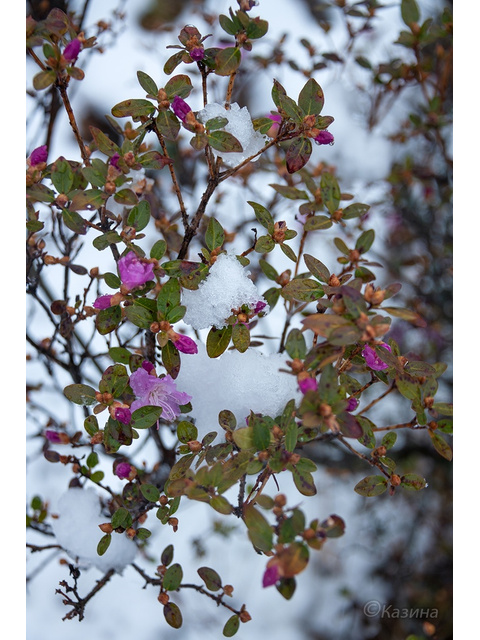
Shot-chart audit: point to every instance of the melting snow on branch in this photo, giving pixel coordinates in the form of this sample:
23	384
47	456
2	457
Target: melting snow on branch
77	531
239	125
226	287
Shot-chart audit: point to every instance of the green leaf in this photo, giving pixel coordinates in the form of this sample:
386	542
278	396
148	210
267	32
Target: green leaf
413	481
263	216
330	191
221	505
104	544
317	268
180	86
168	125
295	345
87	199
169	296
243	438
134	108
231	626
261	432
264	244
173	577
121	518
74	221
227	61
289	192
153	160
145	417
355	211
410	12
315	223
216	123
62	176
158	249
171	359
303	481
114	380
167	555
286	587
240	337
43	80
371	486
91	425
147	84
442	447
212	580
214	235
150	492
103	142
311	98
298	154
365	241
172	63
224	141
259	530
173	615
288	251
81	394
302	289
218	340
186	432
137	314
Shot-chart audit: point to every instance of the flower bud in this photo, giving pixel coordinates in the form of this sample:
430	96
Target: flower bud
395	480
163	598
106	527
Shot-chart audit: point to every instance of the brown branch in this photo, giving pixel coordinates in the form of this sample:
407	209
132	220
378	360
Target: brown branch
62	87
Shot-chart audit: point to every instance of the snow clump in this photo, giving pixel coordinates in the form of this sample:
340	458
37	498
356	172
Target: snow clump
76	530
239	125
226	287
239	382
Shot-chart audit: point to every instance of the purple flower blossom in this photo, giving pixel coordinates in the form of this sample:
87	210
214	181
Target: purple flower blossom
270	576
275	117
72	50
185	344
352	404
197	53
260	306
114	160
123	414
38	155
53	436
148	366
180	108
324	137
307	384
122	470
103	302
373	361
158	392
133	271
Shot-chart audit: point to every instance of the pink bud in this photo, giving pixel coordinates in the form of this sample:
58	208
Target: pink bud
38	155
72	50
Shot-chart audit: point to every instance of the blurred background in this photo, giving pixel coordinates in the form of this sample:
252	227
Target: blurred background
393	150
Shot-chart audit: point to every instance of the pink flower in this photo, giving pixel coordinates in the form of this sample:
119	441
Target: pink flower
324	137
123	414
114	160
180	108
122	470
103	302
133	271
185	344
197	53
260	306
307	384
372	360
38	155
352	404
52	436
276	119
72	50
270	576
158	392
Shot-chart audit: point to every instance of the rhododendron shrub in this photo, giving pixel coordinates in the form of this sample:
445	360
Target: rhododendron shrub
174	310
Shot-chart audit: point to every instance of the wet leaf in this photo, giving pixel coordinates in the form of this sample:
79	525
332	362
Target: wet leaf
298	154
259	530
81	394
371	486
311	98
173	615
